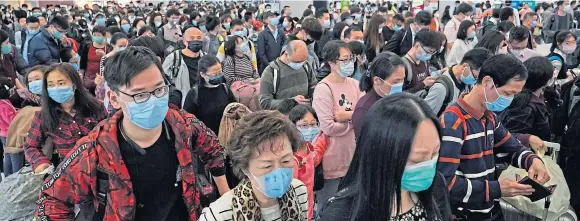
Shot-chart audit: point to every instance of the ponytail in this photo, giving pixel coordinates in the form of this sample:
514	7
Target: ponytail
382	66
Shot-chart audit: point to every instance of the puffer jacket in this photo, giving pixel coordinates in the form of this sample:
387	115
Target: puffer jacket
43	49
75	179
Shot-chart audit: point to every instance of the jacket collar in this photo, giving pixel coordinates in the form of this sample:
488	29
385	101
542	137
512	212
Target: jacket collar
458	84
474	112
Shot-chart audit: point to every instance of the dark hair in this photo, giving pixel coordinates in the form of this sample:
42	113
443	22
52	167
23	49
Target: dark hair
540	71
331	50
299	111
337	30
84	102
382	67
560	37
155	44
312	27
424	18
39	68
207	61
502	68
286	105
171	12
306	13
495	12
3	36
356	48
476	57
491	41
257	128
114	29
144	29
373	38
59	21
211	22
519	34
136	21
117	36
123	66
375	172
428	38
463	8
320	12
230	45
462	30
506	13
100	29
236	22
505	26
32	19
248	15
399	17
529	15
348	31
5	86
20	14
152	19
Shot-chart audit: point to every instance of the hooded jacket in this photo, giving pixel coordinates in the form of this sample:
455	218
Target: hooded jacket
75	180
44	49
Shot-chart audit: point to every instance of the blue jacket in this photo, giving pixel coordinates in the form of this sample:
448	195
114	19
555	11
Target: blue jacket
43	49
269	48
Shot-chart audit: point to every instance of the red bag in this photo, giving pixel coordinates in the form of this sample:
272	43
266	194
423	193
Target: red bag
247	92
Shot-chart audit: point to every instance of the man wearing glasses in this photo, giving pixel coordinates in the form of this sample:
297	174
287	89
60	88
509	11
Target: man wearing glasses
417	75
50	46
139	163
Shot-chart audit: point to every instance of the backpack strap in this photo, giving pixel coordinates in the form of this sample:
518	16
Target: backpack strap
102	191
176	64
455	110
408	70
275	81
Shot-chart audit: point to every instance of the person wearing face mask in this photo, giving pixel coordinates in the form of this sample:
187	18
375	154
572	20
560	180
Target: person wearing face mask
385	76
310	153
270	41
214	39
182	65
389	29
417	75
518	42
299	78
311	31
560	20
529	20
171	32
48	46
475	193
323	17
261	150
237	29
91	55
563	45
151	142
334	100
464	42
237	64
456	80
211	90
414	189
119	41
404	39
463	12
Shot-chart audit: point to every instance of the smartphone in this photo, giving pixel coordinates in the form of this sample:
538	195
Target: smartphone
434	73
540	192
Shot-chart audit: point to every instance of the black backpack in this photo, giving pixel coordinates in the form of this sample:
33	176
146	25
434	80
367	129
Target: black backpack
448	84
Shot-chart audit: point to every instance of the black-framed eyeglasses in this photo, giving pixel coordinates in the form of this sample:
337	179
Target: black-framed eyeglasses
425	50
347	60
144	96
307	125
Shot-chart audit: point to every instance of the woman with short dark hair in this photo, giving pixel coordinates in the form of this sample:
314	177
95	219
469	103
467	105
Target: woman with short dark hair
237	64
465	41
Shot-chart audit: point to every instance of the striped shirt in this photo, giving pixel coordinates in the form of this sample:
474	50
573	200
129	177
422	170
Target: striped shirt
467	156
238	69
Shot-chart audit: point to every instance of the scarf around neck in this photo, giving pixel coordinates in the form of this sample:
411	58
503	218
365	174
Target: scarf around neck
245	207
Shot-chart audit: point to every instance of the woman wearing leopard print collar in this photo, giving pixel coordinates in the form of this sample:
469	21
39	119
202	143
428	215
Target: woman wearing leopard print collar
261	150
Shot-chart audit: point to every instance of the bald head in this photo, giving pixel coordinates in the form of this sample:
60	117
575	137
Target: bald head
297	51
192	34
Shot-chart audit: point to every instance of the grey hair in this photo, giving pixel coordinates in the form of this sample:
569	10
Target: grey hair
253	131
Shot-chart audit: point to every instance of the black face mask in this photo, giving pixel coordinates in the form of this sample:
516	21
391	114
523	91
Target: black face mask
308	42
194	46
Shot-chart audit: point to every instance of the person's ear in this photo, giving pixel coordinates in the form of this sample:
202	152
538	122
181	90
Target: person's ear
114	99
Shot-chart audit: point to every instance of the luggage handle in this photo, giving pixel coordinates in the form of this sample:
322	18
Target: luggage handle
553	149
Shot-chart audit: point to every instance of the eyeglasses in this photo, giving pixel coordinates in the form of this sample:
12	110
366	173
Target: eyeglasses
144	96
347	60
307	125
428	52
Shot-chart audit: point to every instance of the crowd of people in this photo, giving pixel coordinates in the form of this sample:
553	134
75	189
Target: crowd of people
353	111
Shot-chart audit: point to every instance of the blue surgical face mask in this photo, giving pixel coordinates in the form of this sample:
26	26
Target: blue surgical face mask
274	184
395	88
500	104
348	21
309	133
469	80
149	114
295	66
32	32
245	48
75	66
126	27
101	21
241	33
61	94
396	28
194	23
419	177
327	23
56	33
274	21
534	24
35	87
424	57
215	80
6	49
347	69
471	35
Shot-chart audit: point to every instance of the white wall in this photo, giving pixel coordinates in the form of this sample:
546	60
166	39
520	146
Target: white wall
297	6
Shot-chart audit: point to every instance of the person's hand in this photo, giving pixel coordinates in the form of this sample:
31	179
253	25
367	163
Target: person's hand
538	172
429	81
301	99
99	79
445	69
41	168
19	85
100	52
342	116
511	188
74	59
537	144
